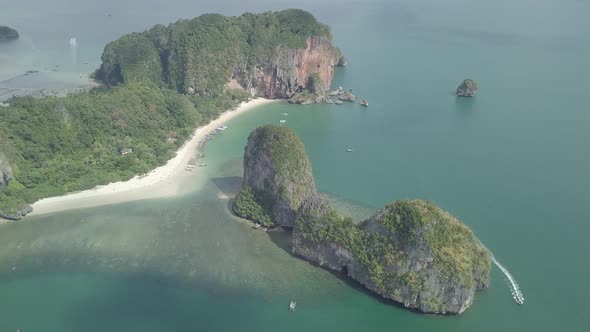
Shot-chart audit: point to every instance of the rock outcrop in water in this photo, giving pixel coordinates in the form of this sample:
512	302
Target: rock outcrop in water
291	71
273	55
277	177
411	252
468	88
7	34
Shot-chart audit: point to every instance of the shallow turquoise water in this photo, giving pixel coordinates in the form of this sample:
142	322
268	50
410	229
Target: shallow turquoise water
512	163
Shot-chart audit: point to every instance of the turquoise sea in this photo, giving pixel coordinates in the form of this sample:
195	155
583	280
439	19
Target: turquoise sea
512	163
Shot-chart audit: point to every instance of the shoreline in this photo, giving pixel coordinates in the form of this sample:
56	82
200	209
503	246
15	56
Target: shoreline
166	180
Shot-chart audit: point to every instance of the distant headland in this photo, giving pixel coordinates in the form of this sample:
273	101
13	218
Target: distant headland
468	88
7	34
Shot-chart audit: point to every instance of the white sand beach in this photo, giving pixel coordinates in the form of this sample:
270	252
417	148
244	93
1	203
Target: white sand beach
164	181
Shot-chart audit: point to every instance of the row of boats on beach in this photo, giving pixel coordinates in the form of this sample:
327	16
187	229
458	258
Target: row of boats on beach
196	161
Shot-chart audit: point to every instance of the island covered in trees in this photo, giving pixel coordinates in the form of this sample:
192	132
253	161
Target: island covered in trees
411	251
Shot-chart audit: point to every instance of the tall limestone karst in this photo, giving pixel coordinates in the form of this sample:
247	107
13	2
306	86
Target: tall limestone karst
468	88
277	177
273	54
411	252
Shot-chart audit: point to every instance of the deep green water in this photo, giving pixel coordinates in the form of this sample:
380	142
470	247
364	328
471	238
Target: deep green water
513	163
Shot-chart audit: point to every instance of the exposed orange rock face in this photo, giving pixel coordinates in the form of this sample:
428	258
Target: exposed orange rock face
317	58
290	70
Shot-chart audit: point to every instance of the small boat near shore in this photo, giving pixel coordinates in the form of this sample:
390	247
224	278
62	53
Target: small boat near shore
292	305
349	150
364	102
283	121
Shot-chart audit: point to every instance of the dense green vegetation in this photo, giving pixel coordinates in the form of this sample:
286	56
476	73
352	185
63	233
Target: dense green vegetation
246	205
200	55
455	248
288	181
285	149
398	229
58	145
468	88
163	82
7	34
410	251
324	224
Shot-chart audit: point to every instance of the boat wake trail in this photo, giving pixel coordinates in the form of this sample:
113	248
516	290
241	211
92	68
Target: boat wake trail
516	292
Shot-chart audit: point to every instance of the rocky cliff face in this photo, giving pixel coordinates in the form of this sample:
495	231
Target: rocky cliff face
411	252
5	172
278	174
290	71
273	55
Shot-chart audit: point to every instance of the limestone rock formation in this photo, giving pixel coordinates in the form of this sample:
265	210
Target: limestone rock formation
277	177
411	252
291	71
5	177
7	34
468	88
272	55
